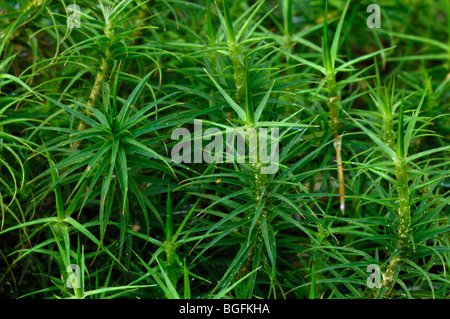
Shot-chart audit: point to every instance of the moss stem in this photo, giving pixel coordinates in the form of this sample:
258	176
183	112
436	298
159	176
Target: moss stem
96	90
335	115
403	220
239	70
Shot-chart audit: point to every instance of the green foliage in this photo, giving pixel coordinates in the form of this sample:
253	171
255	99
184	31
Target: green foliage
87	178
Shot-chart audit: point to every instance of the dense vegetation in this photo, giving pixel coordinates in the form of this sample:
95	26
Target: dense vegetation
94	205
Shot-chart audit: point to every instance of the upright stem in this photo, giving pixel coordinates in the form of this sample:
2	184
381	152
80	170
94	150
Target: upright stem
235	55
260	183
388	131
95	92
335	115
239	70
404	217
404	221
61	230
170	248
404	213
96	89
100	78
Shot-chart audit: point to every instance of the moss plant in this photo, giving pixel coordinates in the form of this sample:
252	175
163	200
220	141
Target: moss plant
404	212
96	203
103	70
